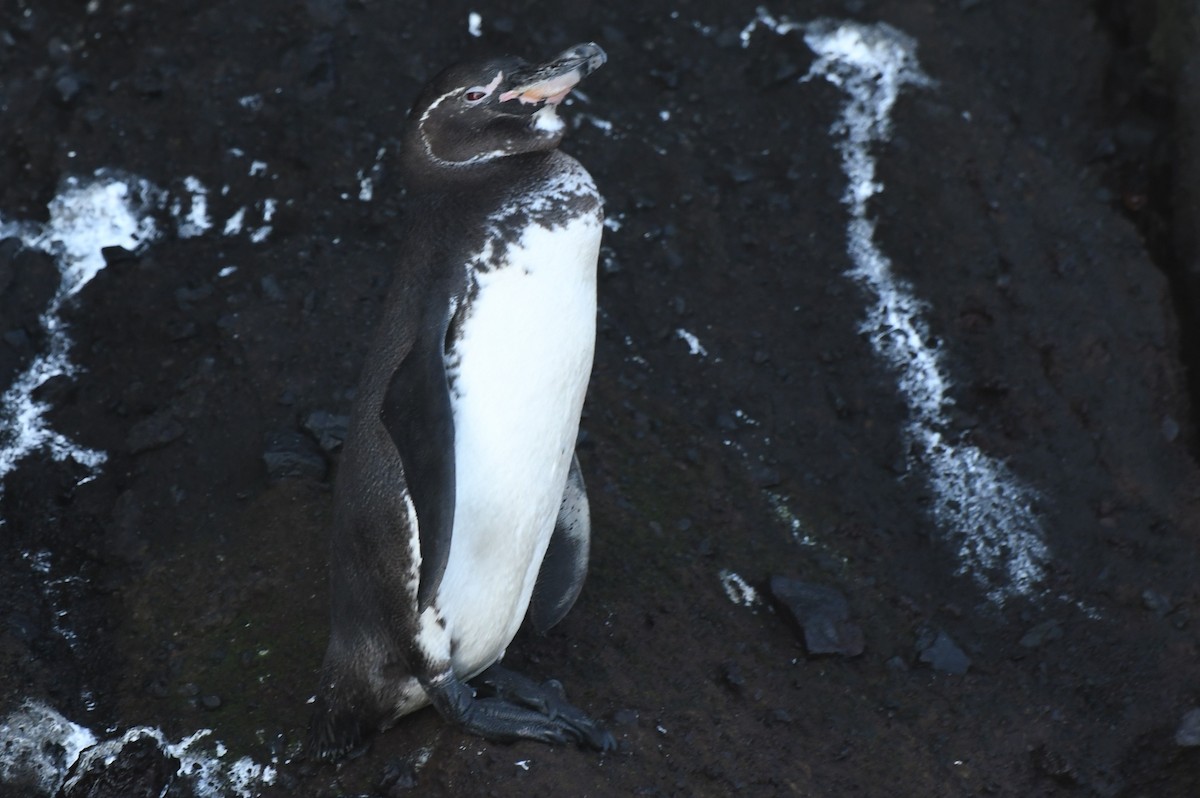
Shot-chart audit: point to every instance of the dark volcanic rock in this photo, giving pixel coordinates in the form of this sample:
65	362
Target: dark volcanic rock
1188	733
398	777
938	650
28	281
823	614
1042	633
139	769
328	429
1035	206
1054	764
154	432
291	455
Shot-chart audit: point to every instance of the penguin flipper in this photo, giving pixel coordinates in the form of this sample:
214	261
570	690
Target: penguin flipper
419	419
565	565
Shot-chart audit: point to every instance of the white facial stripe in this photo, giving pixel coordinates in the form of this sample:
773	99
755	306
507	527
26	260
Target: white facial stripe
491	87
436	103
541	122
487	156
425	139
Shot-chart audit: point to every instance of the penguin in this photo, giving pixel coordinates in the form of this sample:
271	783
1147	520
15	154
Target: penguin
459	508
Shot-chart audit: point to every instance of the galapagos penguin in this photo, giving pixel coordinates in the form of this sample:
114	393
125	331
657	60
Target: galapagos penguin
459	507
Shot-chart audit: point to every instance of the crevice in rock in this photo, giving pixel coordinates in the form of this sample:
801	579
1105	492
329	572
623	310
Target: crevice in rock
1151	154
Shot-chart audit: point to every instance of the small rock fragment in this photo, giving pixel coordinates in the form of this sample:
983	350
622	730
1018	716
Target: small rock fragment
1156	602
153	432
68	86
115	254
54	390
399	776
289	455
1042	633
824	615
938	650
1188	734
731	674
18	340
271	289
779	716
186	296
328	429
1052	763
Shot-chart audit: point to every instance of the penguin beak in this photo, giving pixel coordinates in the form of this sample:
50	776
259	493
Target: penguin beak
552	82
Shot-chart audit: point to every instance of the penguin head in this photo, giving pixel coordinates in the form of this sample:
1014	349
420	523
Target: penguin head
481	111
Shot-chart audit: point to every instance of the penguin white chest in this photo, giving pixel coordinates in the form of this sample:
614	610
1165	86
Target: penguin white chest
518	375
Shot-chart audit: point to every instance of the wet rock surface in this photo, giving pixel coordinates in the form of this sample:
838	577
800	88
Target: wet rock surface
743	416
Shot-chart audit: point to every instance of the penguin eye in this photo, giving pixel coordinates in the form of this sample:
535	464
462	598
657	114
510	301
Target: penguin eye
476	94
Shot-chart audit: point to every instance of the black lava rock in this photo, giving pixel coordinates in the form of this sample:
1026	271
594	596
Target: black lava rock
399	776
28	281
140	769
824	615
1188	734
292	455
328	429
1042	633
940	652
153	432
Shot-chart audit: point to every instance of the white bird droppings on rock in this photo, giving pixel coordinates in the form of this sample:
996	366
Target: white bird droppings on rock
737	589
694	345
977	500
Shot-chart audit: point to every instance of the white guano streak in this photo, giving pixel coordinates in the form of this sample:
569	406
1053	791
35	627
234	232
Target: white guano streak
41	746
980	504
84	219
107	209
737	589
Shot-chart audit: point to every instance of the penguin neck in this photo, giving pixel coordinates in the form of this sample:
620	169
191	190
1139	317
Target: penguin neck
421	175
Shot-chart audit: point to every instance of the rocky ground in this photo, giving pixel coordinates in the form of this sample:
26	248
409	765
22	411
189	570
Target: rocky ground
924	530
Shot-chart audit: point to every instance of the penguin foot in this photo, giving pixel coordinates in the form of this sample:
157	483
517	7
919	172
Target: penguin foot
333	733
549	699
520	710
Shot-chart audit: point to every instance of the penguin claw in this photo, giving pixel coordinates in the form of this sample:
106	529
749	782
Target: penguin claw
588	733
555	687
519	709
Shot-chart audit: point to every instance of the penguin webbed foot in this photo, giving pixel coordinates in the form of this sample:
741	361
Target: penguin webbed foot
519	709
334	734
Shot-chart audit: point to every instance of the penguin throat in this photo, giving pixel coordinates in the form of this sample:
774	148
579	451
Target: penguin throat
546	119
540	131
